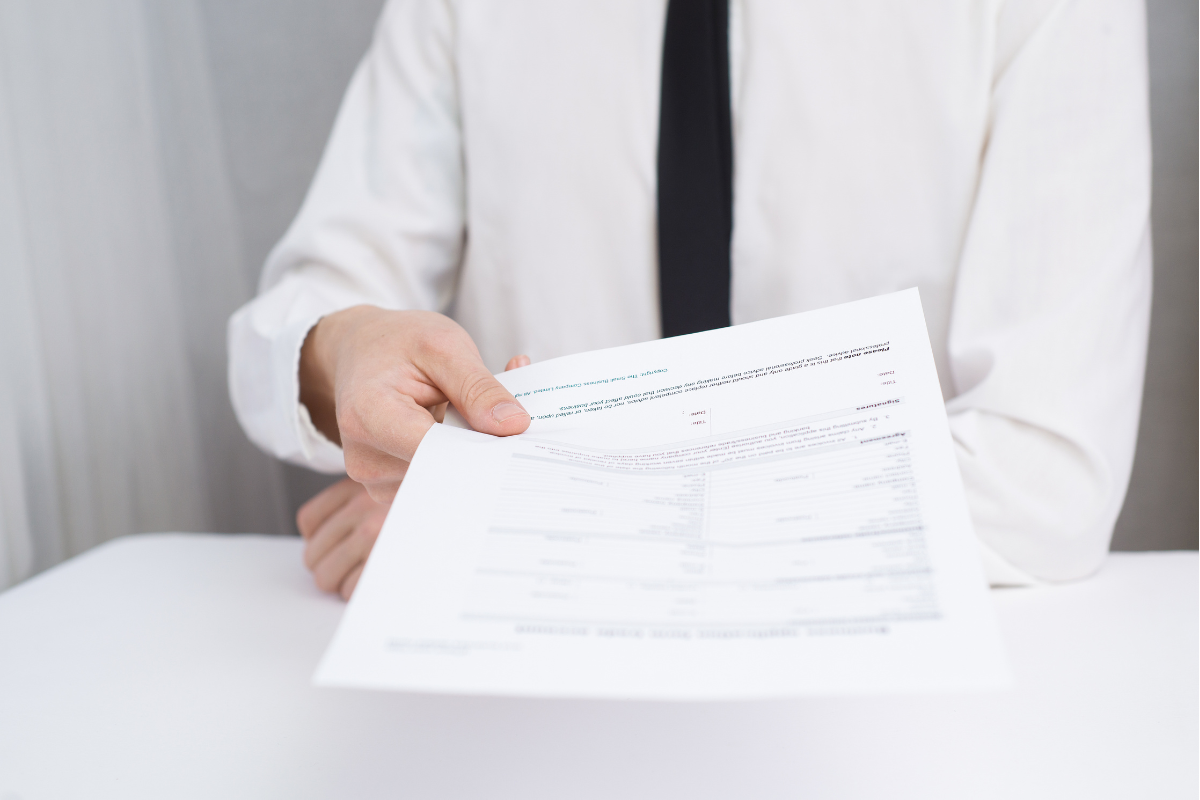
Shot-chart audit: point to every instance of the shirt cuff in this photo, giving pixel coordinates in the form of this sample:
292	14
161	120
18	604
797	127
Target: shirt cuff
316	450
999	572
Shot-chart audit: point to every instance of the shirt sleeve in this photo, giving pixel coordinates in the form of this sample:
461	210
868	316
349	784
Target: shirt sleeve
383	223
1047	340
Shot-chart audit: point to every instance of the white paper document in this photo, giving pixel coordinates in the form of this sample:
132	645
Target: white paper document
767	510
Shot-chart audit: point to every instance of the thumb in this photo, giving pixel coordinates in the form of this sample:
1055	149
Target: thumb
486	405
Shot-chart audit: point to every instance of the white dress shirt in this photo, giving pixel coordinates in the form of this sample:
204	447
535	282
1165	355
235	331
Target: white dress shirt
495	161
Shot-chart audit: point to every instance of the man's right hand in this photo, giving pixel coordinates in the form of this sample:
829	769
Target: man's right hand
372	380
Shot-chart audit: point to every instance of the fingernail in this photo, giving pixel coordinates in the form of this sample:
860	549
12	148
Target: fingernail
506	411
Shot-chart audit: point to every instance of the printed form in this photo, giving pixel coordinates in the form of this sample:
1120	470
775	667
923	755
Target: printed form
767	510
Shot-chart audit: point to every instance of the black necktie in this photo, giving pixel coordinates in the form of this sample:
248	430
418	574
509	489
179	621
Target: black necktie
695	168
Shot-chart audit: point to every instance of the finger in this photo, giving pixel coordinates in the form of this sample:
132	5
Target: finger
338	526
327	537
516	362
455	367
351	581
368	465
349	553
382	493
321	505
379	473
383	422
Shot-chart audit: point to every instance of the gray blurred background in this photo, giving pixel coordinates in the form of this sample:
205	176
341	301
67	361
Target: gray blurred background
169	145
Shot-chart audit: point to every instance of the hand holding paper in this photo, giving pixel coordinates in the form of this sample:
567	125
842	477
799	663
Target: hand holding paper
340	525
766	510
385	372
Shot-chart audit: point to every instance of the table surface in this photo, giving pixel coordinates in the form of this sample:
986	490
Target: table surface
179	666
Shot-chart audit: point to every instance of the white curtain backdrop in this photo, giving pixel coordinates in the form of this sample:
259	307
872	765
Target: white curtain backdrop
119	264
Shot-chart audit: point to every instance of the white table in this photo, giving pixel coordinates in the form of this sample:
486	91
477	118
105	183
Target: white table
177	666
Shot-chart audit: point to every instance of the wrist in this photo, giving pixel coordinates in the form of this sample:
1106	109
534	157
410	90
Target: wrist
318	366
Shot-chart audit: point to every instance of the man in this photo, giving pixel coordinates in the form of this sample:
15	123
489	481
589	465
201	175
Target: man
547	177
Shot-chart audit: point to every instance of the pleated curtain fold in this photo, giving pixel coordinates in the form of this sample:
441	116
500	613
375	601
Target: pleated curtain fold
120	263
